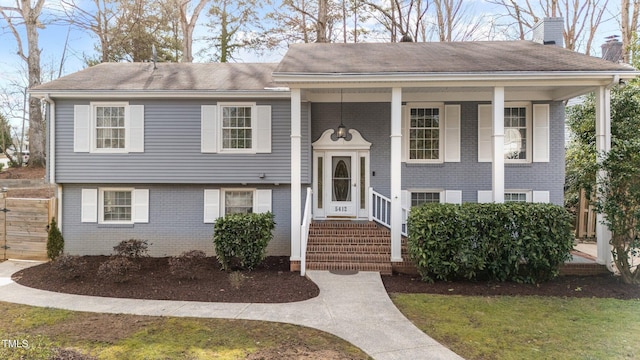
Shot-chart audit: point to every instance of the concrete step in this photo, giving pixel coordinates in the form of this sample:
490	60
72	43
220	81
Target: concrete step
384	269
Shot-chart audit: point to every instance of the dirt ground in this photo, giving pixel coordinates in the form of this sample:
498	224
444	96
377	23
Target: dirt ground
18	173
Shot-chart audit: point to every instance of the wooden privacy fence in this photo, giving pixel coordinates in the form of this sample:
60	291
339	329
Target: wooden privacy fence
23	227
586	219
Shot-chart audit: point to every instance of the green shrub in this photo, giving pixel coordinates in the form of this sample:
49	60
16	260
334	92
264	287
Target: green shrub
520	242
243	239
187	265
132	248
55	241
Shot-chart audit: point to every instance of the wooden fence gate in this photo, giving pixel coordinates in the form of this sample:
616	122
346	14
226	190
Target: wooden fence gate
23	227
586	219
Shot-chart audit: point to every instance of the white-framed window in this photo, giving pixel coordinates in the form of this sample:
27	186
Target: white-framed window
526	132
108	127
238	201
517	196
238	127
424	197
219	202
425	132
517	132
115	205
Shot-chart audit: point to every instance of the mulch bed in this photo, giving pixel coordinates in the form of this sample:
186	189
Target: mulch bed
272	282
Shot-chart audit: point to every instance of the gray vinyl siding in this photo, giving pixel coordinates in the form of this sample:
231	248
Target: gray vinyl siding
172	151
469	175
175	221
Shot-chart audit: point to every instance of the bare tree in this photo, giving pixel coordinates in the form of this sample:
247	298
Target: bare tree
628	26
581	18
98	20
188	25
400	18
27	14
455	22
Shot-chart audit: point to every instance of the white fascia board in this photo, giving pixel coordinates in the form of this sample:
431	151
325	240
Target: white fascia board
114	94
473	79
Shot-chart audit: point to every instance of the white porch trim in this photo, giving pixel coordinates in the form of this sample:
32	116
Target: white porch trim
603	145
296	173
497	164
396	174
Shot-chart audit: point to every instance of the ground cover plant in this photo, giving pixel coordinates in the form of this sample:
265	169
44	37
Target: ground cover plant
527	327
81	336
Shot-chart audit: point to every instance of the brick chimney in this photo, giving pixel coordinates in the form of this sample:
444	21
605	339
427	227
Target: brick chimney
548	31
612	49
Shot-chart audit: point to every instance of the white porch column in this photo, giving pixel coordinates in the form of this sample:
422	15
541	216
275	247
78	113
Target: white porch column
603	144
497	164
396	174
296	177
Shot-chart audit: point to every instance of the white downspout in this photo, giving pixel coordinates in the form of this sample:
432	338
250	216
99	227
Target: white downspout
51	158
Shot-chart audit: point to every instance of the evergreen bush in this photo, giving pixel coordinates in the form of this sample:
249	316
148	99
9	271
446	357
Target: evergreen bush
520	242
242	239
55	241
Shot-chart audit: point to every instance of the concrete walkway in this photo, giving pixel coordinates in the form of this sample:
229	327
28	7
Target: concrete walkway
353	307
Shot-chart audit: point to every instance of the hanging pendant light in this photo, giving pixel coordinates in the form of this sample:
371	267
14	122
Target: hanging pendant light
341	131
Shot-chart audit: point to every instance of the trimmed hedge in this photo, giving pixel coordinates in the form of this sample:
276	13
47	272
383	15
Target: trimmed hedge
55	241
243	239
520	242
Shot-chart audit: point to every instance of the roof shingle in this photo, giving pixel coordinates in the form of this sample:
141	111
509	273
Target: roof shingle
438	57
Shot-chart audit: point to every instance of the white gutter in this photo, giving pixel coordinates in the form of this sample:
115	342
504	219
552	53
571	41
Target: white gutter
162	94
466	77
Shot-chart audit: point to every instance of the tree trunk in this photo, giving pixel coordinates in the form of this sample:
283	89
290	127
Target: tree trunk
321	24
37	156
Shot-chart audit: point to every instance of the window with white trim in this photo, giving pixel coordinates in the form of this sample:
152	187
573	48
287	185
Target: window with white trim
517	196
425	134
237	130
238	201
219	202
110	126
420	198
516	133
116	206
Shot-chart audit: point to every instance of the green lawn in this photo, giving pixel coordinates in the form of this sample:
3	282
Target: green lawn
108	336
528	327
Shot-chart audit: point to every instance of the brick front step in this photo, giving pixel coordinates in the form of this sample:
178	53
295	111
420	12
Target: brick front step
349	248
346	245
347	258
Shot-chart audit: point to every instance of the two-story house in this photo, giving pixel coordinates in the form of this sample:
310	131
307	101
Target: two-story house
158	152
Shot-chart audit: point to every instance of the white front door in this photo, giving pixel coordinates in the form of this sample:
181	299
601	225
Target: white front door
340	177
343	188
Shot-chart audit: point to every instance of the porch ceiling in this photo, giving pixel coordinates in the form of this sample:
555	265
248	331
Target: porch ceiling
352	93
